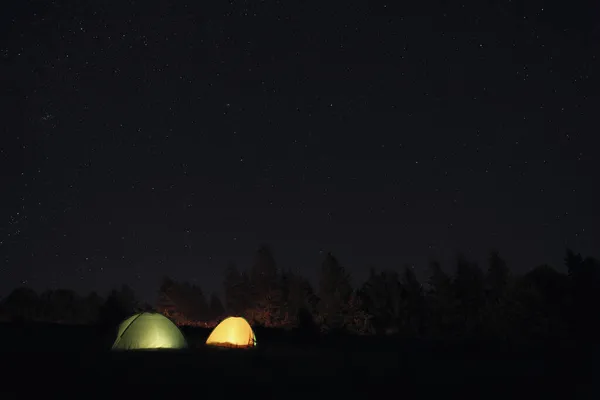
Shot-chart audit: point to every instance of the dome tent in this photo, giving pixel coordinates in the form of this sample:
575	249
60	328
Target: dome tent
232	332
148	331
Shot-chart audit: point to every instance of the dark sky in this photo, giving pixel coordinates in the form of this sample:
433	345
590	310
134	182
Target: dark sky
144	138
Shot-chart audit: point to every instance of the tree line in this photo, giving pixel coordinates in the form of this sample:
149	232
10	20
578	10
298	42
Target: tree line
470	301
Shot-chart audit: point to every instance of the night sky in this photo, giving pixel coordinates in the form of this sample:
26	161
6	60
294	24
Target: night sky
144	138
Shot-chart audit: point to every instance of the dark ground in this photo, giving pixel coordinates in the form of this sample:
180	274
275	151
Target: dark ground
73	361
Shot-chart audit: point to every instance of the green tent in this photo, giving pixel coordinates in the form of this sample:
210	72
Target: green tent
148	331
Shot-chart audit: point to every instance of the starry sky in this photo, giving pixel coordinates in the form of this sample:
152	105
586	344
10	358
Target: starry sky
169	137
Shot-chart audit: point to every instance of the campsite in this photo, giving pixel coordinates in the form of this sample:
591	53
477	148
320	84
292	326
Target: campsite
275	336
299	199
54	359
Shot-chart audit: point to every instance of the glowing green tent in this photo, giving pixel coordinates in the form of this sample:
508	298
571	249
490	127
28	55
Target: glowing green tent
148	331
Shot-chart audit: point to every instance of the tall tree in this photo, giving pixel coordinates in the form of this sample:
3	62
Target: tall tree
584	275
267	291
22	304
497	278
216	307
441	301
62	305
381	297
119	305
128	298
197	306
335	292
182	301
439	282
298	300
469	290
573	262
540	303
497	307
263	273
165	304
92	304
236	286
413	299
356	319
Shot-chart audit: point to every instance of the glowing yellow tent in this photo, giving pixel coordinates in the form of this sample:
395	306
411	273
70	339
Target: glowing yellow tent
148	331
232	332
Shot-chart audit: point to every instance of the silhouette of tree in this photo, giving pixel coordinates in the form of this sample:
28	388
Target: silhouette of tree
287	309
441	302
591	270
497	307
356	319
573	262
128	298
297	296
267	290
216	307
413	310
119	305
92	304
542	303
196	306
182	302
584	275
381	297
497	278
165	303
527	314
236	286
22	304
264	273
542	298
334	293
469	291
305	322
62	305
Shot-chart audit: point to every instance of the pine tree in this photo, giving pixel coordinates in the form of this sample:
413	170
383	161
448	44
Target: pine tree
216	307
264	273
166	305
297	299
182	302
119	305
497	307
469	291
238	296
441	301
584	275
335	291
267	291
22	304
381	298
412	294
497	278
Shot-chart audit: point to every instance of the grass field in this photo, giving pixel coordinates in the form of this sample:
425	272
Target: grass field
59	360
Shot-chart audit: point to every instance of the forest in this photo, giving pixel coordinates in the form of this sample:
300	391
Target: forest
469	302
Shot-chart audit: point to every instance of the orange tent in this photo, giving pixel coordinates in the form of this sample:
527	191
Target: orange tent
232	332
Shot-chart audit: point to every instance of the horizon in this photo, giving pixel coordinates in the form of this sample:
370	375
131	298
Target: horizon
148	293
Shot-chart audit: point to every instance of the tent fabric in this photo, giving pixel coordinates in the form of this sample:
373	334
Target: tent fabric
148	331
232	332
